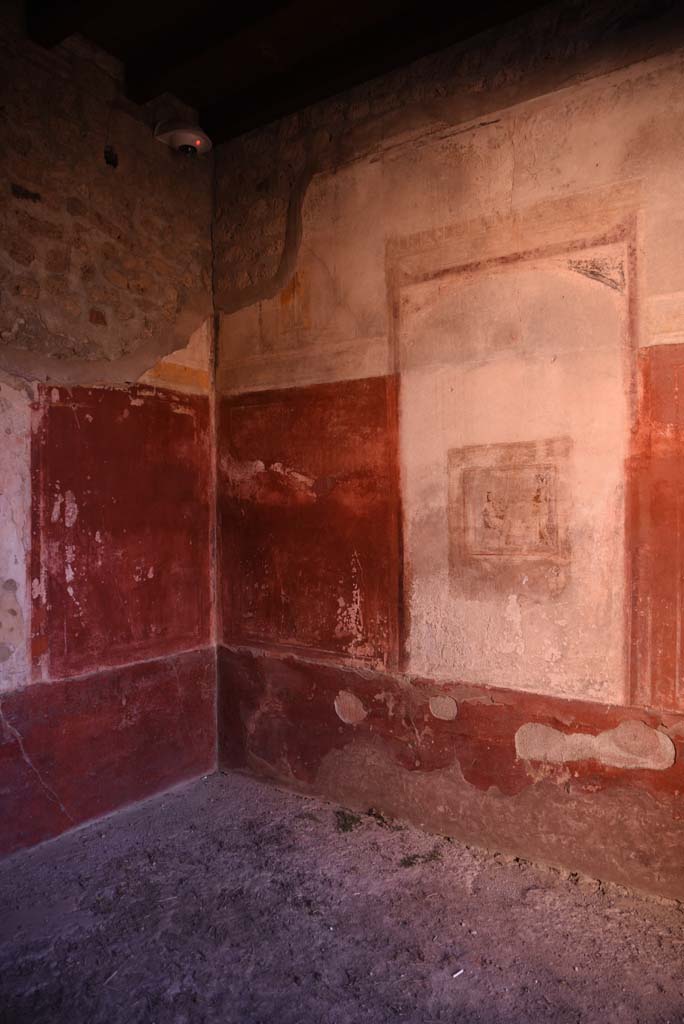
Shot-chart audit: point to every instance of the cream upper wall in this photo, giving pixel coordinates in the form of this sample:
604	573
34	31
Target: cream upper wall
621	129
331	322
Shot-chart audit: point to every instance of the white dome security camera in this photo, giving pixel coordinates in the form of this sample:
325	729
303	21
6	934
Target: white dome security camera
183	137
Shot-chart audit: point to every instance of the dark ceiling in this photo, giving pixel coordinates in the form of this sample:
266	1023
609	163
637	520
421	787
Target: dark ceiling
244	65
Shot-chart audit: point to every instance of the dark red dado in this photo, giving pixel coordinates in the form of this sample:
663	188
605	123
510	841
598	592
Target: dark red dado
121	514
460	777
77	748
308	519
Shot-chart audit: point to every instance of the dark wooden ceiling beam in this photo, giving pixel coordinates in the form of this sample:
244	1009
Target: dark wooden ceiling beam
50	23
156	65
412	32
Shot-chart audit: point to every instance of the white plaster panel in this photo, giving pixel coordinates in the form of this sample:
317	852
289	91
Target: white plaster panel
530	353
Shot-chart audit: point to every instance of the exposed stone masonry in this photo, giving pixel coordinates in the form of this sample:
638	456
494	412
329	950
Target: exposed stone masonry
103	269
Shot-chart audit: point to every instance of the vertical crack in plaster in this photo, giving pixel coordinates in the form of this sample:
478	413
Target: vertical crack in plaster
10	730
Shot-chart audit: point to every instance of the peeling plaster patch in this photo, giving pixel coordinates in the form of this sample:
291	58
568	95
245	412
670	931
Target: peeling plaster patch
182	410
251	480
443	707
349	708
142	573
245	478
11	621
69	558
300	481
350	619
188	368
629	745
240	472
15	500
70	509
56	508
513	641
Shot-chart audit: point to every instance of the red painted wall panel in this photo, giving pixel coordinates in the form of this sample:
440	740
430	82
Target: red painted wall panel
74	749
309	519
121	527
656	531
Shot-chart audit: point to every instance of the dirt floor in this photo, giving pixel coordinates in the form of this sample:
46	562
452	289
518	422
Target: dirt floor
229	900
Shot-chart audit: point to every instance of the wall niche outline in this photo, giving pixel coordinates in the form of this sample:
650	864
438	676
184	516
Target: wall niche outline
499	358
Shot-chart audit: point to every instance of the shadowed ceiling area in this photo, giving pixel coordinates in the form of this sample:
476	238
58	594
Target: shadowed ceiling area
244	65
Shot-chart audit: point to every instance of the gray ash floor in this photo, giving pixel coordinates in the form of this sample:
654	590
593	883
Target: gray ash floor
231	901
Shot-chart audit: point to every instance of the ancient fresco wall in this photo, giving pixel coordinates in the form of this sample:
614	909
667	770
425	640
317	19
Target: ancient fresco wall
510	282
511	262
